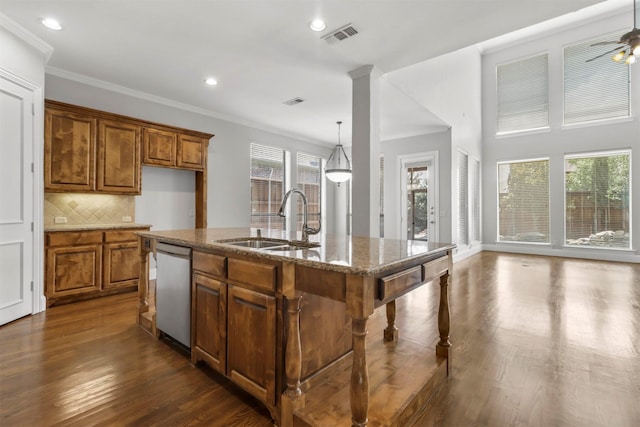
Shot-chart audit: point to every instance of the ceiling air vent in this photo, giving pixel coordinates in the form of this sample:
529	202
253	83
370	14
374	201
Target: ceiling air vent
340	34
294	101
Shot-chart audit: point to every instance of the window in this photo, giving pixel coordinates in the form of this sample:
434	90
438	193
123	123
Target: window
267	184
594	90
523	198
597	200
523	95
474	200
309	181
463	198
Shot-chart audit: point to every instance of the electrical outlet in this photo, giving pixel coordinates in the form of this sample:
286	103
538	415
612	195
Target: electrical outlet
126	219
60	220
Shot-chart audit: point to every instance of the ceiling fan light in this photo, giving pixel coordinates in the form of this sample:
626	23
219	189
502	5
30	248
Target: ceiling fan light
619	56
636	50
631	59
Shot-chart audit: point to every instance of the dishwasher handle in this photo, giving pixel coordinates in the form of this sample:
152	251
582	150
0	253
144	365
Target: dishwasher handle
174	250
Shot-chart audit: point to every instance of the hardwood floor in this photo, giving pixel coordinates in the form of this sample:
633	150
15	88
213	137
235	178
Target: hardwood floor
536	341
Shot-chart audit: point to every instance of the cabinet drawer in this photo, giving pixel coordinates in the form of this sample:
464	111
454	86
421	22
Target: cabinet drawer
395	285
211	264
262	276
121	236
72	238
435	268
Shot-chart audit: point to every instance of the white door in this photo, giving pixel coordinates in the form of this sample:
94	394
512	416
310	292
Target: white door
419	193
16	201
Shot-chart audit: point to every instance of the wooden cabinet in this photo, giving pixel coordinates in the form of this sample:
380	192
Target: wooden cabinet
88	264
234	320
251	342
73	264
159	147
174	149
90	150
119	165
209	338
69	151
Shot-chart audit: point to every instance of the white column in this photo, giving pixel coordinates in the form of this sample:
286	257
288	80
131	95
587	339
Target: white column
365	150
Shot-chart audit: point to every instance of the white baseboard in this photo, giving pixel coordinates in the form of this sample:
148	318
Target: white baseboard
584	253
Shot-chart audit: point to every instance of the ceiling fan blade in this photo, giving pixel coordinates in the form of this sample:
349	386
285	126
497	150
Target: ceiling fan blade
606	53
605	43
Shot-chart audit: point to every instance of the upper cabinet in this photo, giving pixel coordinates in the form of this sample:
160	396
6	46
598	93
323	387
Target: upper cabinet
174	149
69	151
88	150
118	157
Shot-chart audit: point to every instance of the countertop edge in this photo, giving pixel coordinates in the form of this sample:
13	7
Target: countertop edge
89	227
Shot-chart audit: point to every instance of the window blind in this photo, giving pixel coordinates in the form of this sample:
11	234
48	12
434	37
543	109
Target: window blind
267	184
463	204
597	200
523	95
594	90
523	197
309	182
474	200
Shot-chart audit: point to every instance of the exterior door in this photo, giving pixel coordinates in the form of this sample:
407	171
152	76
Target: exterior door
16	200
419	194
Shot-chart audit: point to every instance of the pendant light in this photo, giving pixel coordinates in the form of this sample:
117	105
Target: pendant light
338	167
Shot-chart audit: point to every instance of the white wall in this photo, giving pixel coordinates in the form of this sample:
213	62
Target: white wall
450	86
557	141
392	150
228	168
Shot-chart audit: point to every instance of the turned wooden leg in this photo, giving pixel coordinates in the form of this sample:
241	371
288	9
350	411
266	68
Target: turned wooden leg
391	332
444	345
292	398
359	375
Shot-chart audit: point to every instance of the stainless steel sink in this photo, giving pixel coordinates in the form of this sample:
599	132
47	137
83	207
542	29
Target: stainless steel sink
286	248
255	244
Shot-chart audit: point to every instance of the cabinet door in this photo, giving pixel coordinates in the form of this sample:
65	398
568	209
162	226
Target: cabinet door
159	147
251	342
69	151
191	152
121	265
209	322
118	157
73	270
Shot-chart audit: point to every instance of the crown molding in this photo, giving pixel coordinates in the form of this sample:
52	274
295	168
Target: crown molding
43	47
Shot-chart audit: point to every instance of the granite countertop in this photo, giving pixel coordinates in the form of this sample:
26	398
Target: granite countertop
88	227
346	254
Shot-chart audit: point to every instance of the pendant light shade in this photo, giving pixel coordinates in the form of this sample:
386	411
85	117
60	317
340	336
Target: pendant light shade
338	167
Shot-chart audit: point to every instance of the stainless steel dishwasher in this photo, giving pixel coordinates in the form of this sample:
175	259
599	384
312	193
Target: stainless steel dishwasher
173	292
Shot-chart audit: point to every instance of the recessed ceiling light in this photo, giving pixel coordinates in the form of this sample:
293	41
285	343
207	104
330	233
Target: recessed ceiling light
51	24
317	25
211	81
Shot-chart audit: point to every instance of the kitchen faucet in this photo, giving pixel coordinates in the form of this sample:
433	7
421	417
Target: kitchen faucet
306	230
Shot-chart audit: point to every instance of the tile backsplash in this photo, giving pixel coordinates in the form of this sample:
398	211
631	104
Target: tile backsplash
81	209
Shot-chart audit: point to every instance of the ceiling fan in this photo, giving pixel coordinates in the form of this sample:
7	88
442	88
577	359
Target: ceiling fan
630	45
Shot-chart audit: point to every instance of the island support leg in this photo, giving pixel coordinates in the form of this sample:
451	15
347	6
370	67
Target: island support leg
444	345
292	398
391	332
359	374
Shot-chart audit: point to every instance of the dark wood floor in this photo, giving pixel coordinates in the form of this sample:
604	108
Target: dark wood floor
537	341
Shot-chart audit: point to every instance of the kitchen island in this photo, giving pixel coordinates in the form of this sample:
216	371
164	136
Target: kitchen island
289	325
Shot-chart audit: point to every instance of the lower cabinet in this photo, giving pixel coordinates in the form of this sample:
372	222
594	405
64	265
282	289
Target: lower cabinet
209	340
233	322
251	342
88	264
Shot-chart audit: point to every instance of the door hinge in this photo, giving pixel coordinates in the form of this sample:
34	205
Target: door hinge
32	286
32	226
33	109
33	167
